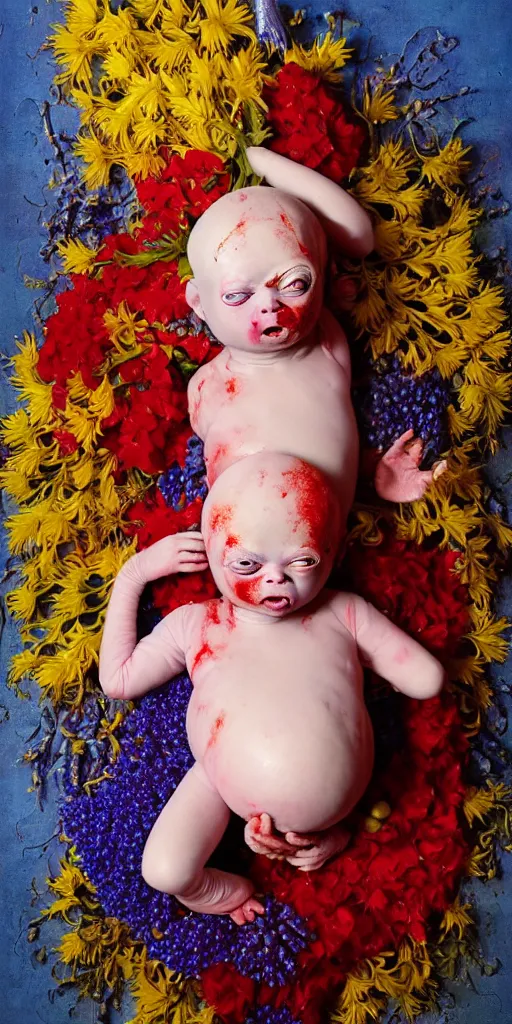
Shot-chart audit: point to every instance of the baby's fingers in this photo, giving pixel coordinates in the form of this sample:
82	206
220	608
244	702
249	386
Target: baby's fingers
196	566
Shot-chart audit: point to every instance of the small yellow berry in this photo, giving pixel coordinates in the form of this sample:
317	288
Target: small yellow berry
372	824
382	810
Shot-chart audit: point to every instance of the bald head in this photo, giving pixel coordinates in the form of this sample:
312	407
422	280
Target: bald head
224	228
271	530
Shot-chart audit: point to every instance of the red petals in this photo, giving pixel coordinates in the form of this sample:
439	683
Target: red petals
314	131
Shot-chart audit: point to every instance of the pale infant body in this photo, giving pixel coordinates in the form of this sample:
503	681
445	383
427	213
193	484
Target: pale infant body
277	721
282	381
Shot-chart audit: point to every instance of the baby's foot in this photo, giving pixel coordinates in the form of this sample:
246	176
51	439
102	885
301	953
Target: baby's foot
261	838
247	911
312	851
398	478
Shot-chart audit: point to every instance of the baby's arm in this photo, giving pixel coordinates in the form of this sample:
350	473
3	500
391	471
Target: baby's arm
334	341
128	669
390	652
343	218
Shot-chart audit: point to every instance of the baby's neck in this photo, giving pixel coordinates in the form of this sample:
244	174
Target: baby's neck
252	617
237	359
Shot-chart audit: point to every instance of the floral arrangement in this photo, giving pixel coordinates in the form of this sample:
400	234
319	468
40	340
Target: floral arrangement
100	458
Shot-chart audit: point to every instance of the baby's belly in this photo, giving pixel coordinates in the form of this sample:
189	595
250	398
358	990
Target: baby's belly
306	763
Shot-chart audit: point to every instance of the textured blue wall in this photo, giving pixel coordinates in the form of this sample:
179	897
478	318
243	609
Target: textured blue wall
481	61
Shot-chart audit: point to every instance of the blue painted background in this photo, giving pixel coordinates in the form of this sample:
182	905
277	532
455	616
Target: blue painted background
483	62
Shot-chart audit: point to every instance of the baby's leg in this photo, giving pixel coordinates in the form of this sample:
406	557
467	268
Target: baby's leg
182	839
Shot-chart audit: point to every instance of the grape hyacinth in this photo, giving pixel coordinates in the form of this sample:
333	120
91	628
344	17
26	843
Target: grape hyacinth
396	401
109	829
182	485
271	1015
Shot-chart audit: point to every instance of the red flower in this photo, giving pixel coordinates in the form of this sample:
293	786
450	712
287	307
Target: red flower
67	441
232	994
310	124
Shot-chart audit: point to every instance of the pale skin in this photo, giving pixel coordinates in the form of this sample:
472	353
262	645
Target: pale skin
276	722
282	381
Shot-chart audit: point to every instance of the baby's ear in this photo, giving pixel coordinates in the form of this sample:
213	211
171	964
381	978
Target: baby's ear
192	297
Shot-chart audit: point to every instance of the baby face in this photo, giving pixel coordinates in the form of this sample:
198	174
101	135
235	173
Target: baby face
271	539
260	286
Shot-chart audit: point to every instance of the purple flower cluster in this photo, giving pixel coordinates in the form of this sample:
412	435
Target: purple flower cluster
269	1015
110	827
182	485
396	401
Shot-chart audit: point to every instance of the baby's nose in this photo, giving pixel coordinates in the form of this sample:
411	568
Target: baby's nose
270	302
275	575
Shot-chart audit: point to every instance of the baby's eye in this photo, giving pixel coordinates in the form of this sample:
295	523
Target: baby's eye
299	286
235	298
245	566
304	562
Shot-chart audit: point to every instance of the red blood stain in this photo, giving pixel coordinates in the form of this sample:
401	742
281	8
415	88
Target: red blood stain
284	494
205	652
196	403
233	386
230	617
289	226
247	590
290	317
306	621
232	541
255	332
262	476
220	517
242	196
239	229
214	459
274	281
313	501
217	727
350	617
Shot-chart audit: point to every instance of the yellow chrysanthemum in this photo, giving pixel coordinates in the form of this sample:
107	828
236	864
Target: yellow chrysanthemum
77	258
322	58
220	22
379	105
243	77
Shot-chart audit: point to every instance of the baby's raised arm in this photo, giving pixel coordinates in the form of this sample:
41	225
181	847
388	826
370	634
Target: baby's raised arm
390	652
129	669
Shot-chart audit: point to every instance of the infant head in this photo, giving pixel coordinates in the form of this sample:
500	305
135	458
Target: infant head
258	258
271	529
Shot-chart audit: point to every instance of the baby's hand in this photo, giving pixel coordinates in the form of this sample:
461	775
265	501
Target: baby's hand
261	838
180	552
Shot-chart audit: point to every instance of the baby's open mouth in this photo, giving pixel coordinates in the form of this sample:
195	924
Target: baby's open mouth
278	604
275	332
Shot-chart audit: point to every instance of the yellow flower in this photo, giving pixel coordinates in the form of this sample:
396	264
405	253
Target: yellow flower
323	58
222	22
447	167
243	79
379	106
123	326
169	53
74	53
77	258
98	158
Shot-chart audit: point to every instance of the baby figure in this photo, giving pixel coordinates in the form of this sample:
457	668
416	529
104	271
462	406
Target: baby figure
277	722
282	381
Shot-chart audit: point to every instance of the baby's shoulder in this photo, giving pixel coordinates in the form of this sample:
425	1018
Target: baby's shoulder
344	606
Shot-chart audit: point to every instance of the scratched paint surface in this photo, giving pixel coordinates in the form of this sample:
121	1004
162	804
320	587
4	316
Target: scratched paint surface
481	62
